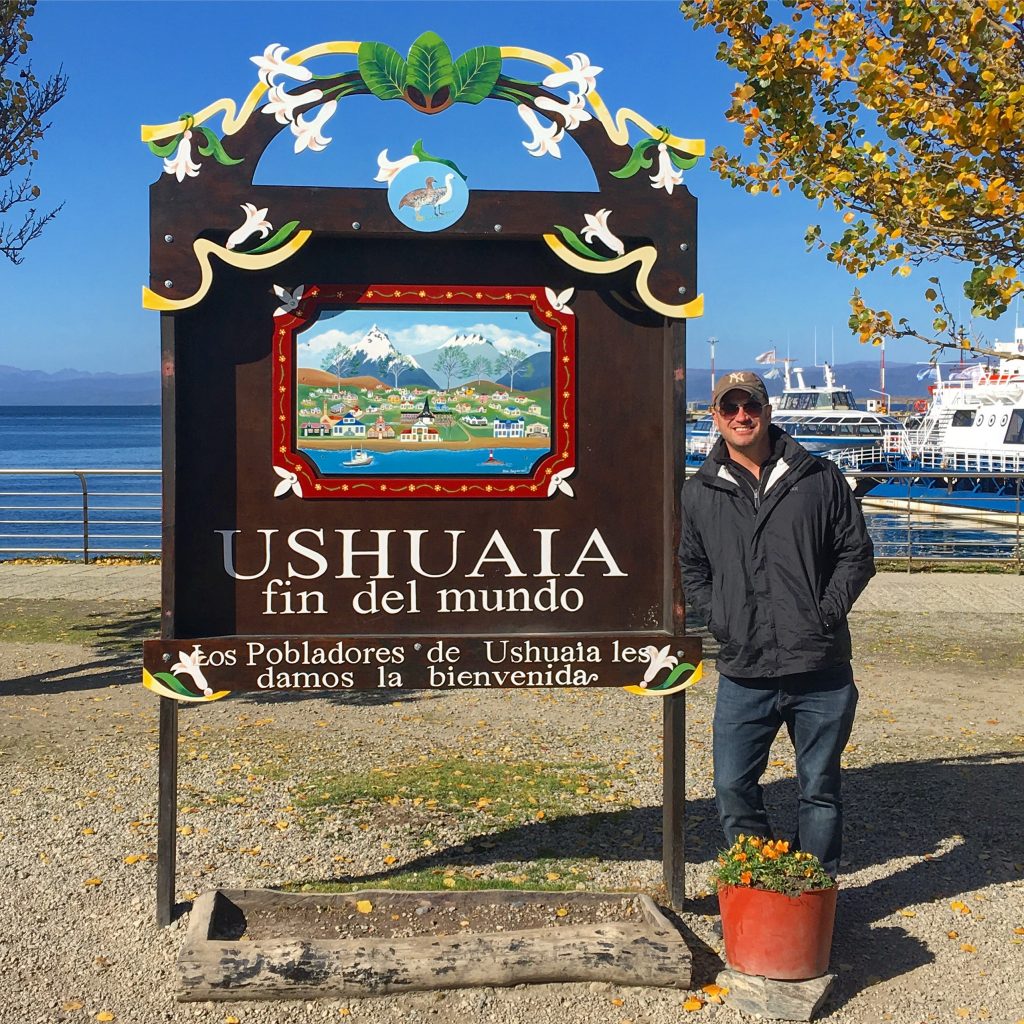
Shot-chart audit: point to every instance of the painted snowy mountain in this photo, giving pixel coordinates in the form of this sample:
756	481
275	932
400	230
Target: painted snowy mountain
465	358
376	353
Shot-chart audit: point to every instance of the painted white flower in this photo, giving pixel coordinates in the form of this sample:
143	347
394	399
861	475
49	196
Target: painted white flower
188	664
273	63
668	175
289	300
389	168
558	482
560	300
545	137
573	111
283	104
309	134
582	74
182	164
288	482
597	227
659	660
255	221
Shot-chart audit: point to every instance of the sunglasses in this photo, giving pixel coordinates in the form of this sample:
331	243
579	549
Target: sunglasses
730	409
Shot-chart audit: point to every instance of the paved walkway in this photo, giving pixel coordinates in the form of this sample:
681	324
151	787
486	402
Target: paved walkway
964	593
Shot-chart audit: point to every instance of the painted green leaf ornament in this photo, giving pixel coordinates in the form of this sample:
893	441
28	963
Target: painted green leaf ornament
430	79
383	69
475	74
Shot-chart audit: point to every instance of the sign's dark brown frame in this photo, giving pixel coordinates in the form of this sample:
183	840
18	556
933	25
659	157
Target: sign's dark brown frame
650	288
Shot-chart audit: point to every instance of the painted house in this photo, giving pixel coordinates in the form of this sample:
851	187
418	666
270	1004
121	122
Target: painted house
381	430
537	430
475	421
314	430
535	410
349	426
509	428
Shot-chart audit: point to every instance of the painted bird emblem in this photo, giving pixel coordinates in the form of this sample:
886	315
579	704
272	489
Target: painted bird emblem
428	196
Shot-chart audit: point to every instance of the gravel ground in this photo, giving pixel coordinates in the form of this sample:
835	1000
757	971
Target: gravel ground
931	918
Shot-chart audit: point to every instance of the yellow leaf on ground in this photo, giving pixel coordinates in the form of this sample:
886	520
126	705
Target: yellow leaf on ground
232	1020
960	907
714	990
133	858
561	912
967	947
364	906
1018	931
693	1003
93	881
104	1015
185	830
907	913
553	876
389	859
617	1002
540	815
962	1011
344	1011
448	883
71	1005
952	935
88	831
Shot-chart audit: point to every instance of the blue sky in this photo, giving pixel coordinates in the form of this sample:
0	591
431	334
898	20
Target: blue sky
75	302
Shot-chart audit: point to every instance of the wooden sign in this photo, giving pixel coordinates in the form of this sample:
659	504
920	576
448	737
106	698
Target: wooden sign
420	435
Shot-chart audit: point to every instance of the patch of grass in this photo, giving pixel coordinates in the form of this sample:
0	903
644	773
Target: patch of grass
463	786
108	625
543	874
918	565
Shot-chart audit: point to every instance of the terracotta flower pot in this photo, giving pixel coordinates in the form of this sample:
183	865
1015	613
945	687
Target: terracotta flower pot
777	936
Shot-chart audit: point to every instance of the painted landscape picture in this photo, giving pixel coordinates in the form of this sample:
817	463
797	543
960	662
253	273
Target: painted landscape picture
423	391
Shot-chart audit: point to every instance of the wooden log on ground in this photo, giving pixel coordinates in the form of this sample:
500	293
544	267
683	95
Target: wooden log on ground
218	960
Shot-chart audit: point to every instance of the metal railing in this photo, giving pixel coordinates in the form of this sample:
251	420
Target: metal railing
58	512
117	511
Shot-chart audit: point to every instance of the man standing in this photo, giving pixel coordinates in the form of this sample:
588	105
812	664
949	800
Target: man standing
774	552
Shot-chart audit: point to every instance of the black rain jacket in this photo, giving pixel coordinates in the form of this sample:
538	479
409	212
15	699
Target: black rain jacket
776	582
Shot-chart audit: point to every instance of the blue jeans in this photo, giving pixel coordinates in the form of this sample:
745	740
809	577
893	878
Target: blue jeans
817	709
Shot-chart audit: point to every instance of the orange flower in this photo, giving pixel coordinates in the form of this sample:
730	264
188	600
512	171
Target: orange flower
782	846
739	856
808	872
769	852
745	877
756	843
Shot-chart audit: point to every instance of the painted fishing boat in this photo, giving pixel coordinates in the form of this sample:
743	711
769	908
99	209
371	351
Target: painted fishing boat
358	458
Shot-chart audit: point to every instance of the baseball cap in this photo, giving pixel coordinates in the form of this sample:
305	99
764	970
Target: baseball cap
742	380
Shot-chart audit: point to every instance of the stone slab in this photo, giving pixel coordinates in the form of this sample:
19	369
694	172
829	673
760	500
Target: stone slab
221	959
776	1000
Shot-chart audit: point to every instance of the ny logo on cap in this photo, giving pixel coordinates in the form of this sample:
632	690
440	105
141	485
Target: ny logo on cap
737	378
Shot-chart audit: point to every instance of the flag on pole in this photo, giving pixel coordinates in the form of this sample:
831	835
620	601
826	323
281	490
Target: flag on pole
928	371
772	374
766	357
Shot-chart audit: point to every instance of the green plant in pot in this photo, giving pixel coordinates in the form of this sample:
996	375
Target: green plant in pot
778	909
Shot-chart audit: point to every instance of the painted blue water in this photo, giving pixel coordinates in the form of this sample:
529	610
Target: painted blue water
463	462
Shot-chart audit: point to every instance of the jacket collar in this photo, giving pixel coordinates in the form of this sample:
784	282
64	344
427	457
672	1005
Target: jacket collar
788	457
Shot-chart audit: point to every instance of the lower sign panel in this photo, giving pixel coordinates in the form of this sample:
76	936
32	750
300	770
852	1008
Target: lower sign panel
205	669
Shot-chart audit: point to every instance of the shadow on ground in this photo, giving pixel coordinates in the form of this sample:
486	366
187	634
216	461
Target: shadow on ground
952	811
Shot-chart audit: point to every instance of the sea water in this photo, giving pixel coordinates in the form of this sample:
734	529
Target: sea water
124	511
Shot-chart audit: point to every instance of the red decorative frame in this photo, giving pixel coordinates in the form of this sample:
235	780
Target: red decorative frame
541	483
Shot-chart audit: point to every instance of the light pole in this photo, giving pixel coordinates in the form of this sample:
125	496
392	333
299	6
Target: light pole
712	341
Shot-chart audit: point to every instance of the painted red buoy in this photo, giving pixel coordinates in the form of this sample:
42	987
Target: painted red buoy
787	938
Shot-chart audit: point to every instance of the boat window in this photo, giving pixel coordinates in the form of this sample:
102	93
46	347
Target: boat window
963	418
1015	431
843	400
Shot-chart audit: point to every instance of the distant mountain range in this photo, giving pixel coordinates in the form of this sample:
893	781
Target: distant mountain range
862	378
81	387
77	387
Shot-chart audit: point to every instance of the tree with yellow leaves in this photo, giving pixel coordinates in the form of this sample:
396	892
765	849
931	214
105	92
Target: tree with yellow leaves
907	116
